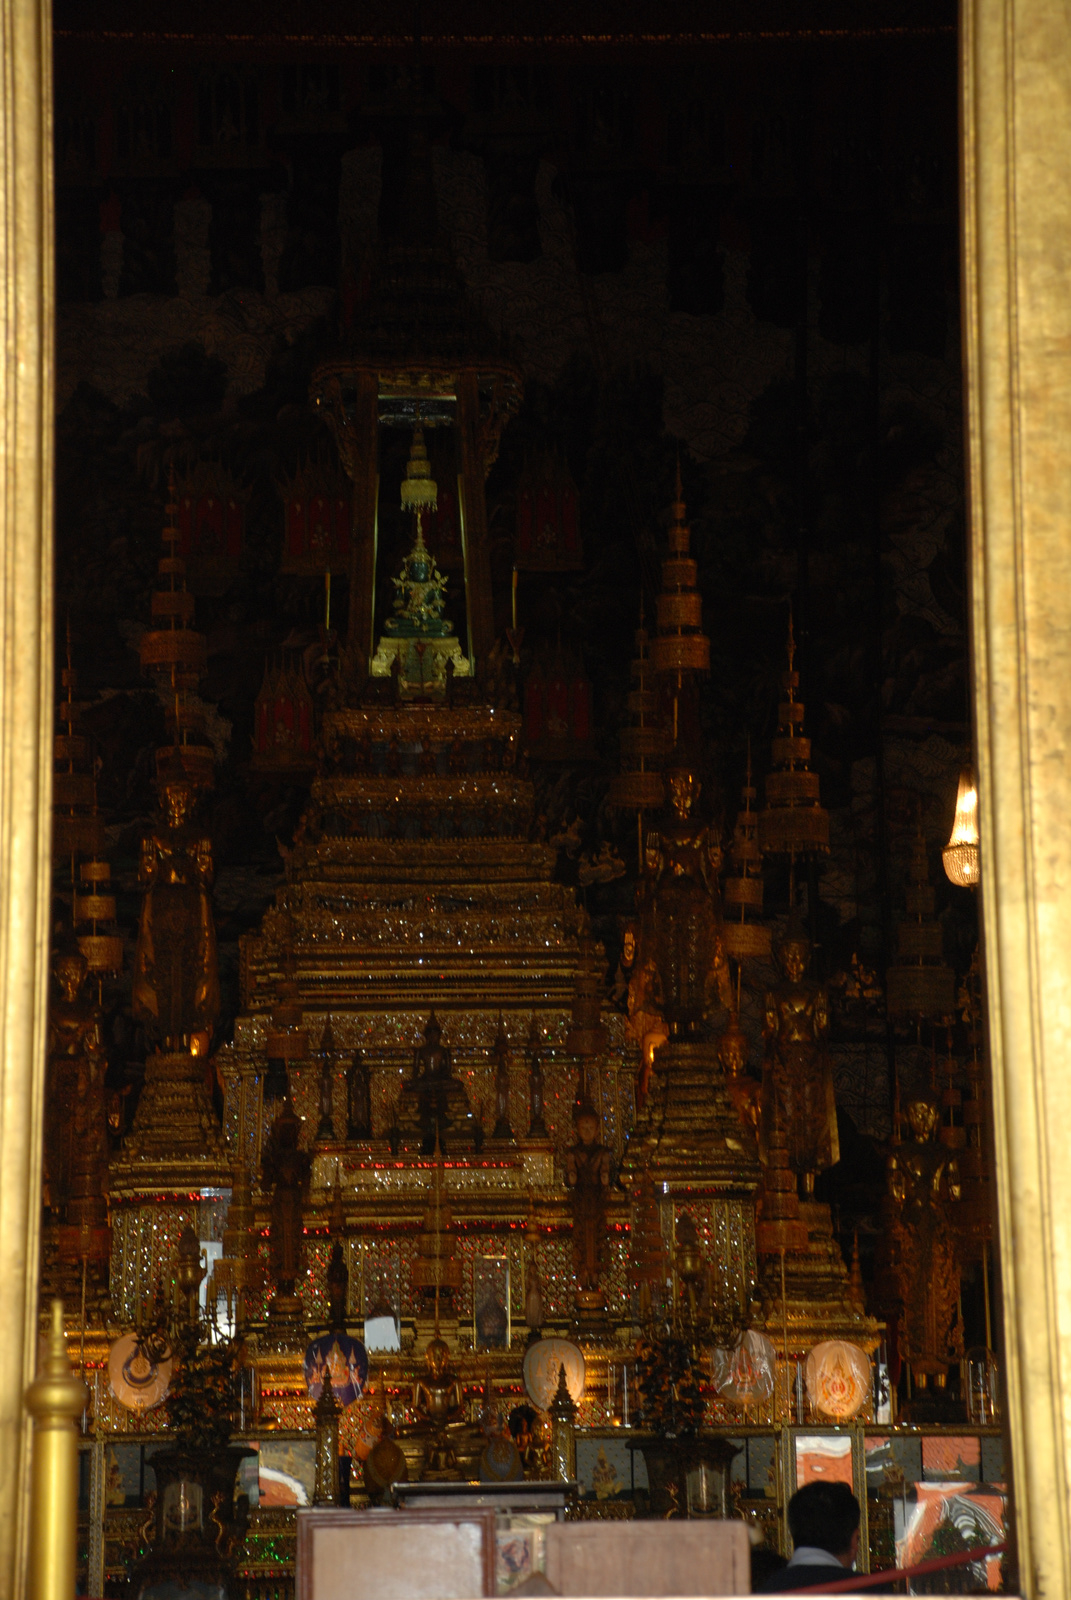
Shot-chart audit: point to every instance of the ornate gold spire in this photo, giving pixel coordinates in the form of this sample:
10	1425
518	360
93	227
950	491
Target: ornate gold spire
79	831
680	645
287	1039
436	1268
644	742
920	985
419	490
794	822
174	654
743	934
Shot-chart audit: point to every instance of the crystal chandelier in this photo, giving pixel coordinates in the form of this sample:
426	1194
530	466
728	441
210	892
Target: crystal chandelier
961	854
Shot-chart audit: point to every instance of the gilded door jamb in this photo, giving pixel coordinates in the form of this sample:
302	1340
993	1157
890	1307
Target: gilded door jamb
26	435
1016	155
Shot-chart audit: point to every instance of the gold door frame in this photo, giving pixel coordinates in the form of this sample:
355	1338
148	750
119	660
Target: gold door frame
26	715
1016	142
1016	187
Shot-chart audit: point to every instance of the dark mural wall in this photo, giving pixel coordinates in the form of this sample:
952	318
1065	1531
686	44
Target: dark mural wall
741	256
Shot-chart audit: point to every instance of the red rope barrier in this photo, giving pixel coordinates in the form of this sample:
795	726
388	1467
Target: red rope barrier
870	1580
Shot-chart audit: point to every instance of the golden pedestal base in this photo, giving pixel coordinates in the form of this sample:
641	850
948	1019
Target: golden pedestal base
819	1301
688	1132
176	1144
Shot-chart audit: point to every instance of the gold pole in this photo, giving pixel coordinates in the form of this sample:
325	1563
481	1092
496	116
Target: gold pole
54	1400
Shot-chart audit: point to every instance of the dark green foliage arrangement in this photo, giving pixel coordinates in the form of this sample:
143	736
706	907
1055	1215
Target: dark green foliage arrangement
200	1401
672	1404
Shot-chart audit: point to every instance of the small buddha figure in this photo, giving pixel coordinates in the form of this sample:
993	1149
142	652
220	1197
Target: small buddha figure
533	1296
431	1060
924	1184
433	1102
744	1091
797	1069
73	1019
176	973
646	1023
502	1128
523	1422
440	1400
500	1460
587	1174
338	1288
537	1089
358	1099
286	1169
76	1067
682	936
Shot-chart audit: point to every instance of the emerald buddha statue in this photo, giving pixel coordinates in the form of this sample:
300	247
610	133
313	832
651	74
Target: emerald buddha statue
419	640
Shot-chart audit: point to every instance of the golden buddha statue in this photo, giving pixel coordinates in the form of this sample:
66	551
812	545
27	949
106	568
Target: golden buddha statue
176	976
797	1070
924	1183
745	1092
587	1174
73	1019
433	1105
440	1400
76	1068
682	933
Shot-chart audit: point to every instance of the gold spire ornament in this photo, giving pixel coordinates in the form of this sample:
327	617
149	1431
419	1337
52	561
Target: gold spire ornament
680	646
920	985
420	492
77	826
961	855
79	831
287	1039
794	822
175	655
644	743
743	934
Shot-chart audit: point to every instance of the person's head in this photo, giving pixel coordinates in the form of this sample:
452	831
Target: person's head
825	1516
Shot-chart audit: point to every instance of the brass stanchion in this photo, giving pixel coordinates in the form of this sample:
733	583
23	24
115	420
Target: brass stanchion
55	1399
563	1431
326	1412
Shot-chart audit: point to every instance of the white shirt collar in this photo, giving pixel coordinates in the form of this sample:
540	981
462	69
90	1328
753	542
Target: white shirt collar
809	1555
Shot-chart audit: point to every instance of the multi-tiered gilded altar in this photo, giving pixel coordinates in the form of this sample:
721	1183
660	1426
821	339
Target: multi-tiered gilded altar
436	1131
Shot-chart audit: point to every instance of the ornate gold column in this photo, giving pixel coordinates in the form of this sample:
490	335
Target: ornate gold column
25	718
1016	113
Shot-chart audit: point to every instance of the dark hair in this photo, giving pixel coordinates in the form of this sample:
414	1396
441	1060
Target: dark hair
824	1515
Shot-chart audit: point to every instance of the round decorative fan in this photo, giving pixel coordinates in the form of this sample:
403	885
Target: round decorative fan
137	1381
838	1378
744	1375
543	1362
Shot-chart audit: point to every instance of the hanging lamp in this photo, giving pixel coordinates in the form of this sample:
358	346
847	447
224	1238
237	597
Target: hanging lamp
961	855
